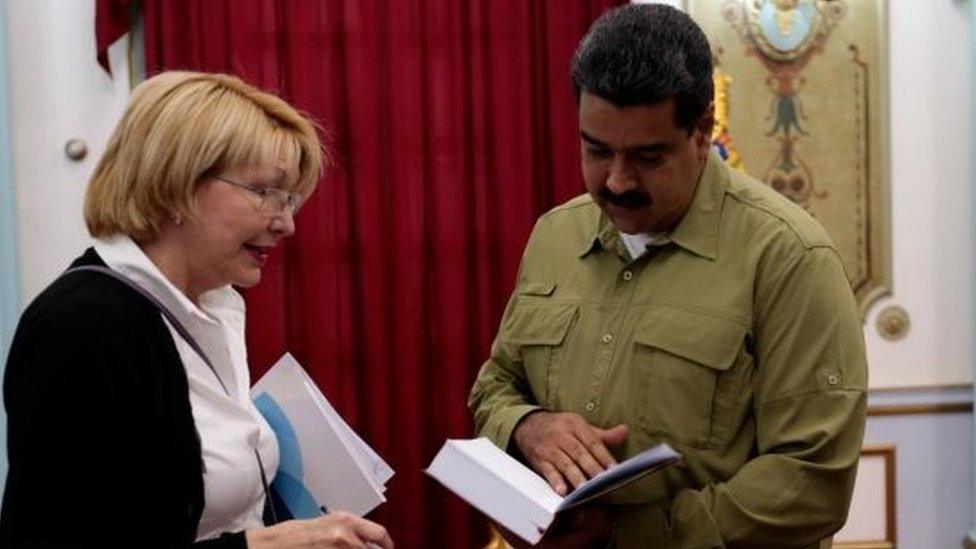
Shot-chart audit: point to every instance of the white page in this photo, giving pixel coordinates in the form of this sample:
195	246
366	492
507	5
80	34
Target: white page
625	472
380	472
518	476
332	472
485	489
370	460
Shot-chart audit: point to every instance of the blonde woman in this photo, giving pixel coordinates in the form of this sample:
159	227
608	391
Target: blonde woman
126	386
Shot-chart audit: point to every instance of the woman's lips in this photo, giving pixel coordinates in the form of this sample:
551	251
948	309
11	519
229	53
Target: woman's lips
258	253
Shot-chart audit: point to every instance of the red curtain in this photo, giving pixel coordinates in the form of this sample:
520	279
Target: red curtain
112	19
454	127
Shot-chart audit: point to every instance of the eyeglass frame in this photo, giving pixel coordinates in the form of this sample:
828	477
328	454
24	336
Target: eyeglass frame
290	202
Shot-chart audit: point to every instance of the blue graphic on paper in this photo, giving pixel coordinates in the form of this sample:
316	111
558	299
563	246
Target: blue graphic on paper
288	483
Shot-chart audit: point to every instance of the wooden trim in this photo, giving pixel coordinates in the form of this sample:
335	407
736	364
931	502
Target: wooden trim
887	451
913	388
914	409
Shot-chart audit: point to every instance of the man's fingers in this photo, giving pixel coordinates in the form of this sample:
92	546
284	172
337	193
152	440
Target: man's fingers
585	459
553	476
602	455
615	435
569	469
597	440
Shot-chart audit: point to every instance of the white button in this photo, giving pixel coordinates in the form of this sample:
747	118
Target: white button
590	406
628	275
832	379
607	338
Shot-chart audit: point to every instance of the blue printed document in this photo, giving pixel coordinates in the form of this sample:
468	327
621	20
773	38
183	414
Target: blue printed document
515	496
324	464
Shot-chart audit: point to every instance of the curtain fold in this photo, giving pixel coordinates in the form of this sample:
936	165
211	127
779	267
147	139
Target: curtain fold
454	127
112	21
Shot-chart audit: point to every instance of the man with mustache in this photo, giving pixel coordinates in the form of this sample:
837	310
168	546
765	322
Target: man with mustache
677	301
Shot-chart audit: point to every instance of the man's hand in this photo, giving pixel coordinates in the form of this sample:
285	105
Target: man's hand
583	527
564	447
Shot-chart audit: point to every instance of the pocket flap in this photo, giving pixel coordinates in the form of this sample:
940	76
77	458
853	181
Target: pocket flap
538	323
536	288
708	340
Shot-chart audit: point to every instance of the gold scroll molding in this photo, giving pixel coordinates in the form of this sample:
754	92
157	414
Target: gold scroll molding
886	452
806	99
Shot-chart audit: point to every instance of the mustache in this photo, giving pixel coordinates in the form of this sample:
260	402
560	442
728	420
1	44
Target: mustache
630	199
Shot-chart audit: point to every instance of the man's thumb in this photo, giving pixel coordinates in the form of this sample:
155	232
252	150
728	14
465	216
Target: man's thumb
614	435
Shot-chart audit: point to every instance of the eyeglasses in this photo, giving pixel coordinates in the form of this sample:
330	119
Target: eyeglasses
273	201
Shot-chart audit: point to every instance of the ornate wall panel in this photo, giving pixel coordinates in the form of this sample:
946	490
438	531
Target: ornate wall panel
801	105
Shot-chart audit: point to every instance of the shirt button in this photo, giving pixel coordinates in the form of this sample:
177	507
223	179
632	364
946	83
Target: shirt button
832	379
607	338
628	275
590	406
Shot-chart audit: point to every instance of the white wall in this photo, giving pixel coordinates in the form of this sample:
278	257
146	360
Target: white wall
933	456
57	92
930	67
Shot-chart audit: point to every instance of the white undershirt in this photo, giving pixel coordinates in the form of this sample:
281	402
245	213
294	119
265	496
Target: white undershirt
230	427
637	243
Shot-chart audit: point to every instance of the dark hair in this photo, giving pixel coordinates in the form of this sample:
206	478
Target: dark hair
642	54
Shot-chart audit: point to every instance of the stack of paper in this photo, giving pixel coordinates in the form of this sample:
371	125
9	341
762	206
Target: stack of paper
519	499
324	464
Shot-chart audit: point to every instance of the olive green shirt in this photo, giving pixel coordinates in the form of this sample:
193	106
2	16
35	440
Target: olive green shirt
736	340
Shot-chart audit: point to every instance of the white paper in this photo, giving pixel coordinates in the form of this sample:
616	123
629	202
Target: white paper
323	462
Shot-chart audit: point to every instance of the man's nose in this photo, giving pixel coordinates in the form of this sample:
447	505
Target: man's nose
621	177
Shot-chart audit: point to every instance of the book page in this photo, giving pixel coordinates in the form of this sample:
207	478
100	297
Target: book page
625	472
473	471
367	458
319	465
514	473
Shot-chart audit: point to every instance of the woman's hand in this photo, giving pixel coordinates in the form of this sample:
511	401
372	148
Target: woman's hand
335	530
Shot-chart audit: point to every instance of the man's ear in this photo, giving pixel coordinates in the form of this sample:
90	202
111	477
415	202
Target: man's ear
704	128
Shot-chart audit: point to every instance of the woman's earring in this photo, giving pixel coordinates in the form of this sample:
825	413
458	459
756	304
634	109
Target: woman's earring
177	219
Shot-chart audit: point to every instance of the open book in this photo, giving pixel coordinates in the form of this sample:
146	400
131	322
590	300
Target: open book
515	496
324	464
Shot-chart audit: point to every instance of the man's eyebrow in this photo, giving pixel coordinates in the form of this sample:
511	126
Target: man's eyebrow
592	140
649	148
652	148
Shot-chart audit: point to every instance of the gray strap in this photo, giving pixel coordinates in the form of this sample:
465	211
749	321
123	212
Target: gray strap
177	325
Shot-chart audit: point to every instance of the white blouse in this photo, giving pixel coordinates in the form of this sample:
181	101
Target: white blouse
230	427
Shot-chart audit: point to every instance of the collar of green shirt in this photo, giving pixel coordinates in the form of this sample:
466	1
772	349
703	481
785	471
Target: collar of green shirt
697	231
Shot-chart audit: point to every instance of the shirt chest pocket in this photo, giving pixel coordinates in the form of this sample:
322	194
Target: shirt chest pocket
538	329
691	369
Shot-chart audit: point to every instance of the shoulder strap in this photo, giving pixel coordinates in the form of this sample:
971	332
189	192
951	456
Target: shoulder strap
177	325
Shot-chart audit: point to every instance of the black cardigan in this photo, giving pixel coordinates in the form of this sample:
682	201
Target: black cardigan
102	446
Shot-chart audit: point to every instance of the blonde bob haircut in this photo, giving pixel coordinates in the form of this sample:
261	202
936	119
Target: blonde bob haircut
178	129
